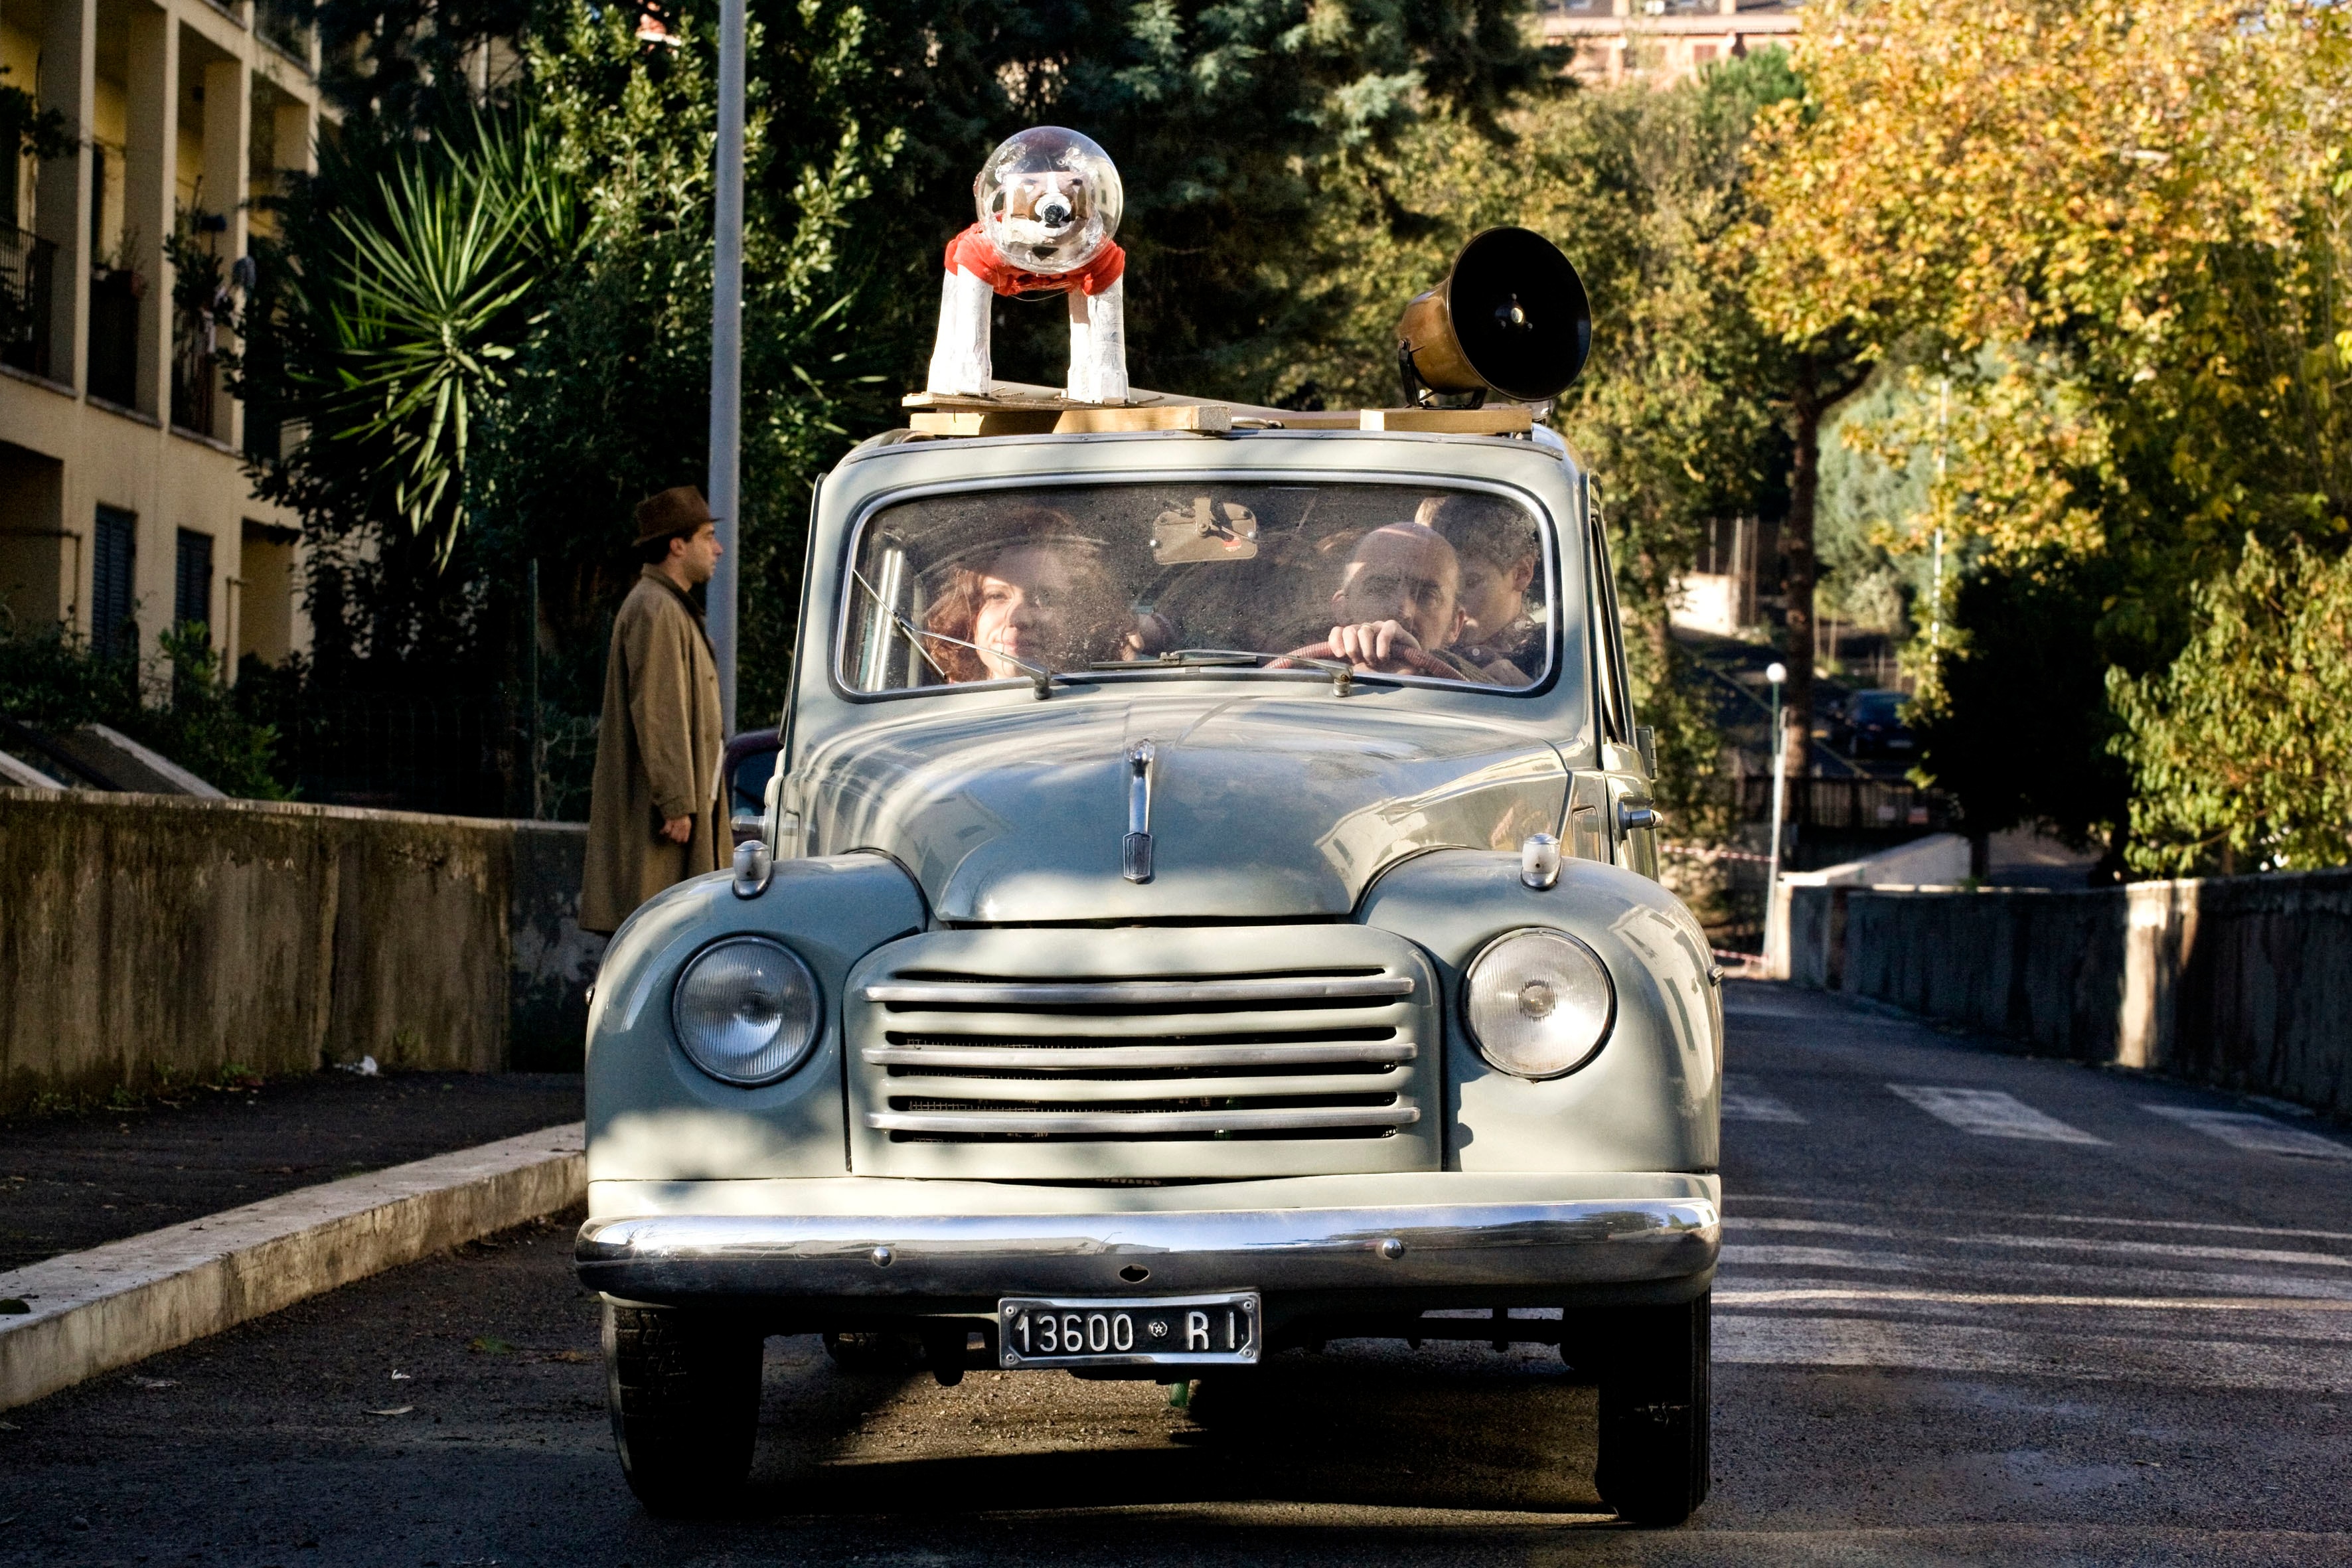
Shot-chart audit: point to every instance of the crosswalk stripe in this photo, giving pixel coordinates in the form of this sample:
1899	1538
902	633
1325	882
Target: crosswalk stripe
2109	1221
1747	1221
1773	1339
2159	1249
2278	1307
1989	1113
1741	1104
1742	1253
2255	1135
2015	1275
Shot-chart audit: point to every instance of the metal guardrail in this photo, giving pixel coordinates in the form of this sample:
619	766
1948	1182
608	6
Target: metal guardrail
445	752
1859	804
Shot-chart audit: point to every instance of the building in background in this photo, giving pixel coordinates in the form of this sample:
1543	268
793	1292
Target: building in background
124	504
1663	42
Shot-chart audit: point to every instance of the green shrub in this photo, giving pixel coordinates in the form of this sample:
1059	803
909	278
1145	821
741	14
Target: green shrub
2241	753
174	702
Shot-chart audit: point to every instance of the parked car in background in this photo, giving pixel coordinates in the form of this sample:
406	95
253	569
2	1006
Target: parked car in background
1870	724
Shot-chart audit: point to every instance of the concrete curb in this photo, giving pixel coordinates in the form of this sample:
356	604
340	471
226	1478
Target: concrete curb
93	1312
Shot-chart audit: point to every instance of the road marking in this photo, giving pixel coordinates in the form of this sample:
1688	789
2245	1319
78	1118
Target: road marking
2159	1249
1824	1257
1845	1294
2111	1220
2028	1278
1741	1104
1814	1227
1772	1339
1989	1113
2255	1135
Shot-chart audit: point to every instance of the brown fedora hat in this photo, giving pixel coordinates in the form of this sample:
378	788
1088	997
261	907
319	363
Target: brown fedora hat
673	511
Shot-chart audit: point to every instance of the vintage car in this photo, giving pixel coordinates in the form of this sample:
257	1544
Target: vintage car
1206	909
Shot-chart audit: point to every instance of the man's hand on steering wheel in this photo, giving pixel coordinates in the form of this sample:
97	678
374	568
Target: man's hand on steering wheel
1379	648
1374	645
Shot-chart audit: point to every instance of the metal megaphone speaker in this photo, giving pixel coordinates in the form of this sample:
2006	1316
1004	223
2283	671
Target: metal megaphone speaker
1511	318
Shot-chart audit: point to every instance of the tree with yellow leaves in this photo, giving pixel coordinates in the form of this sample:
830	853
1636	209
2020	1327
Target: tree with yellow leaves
2141	209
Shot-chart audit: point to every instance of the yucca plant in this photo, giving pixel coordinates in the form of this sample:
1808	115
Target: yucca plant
428	293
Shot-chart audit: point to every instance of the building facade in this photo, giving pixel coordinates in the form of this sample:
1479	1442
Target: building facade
1663	42
125	506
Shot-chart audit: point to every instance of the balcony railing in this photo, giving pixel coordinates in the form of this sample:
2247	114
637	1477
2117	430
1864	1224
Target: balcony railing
287	24
27	276
196	403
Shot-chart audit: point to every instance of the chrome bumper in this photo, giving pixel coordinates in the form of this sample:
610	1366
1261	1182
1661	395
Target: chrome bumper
1494	1247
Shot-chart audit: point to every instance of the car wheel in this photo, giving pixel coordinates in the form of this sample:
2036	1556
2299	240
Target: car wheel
1652	1365
684	1393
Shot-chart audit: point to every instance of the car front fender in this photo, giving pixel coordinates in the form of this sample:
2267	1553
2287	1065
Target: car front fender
652	1114
1650	1098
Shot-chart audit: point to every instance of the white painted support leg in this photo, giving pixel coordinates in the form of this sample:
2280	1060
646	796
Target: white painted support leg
960	357
1080	388
1098	346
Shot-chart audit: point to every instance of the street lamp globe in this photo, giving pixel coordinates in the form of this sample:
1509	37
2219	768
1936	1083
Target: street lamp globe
1775	673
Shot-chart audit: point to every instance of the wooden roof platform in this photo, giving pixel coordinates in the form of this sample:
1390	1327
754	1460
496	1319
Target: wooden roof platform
1016	408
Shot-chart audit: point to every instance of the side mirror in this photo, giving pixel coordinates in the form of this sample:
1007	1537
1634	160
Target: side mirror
743	773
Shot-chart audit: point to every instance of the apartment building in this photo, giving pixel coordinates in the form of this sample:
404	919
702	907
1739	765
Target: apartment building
125	508
1663	42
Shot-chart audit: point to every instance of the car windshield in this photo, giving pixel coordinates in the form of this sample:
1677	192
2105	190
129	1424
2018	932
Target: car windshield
1414	582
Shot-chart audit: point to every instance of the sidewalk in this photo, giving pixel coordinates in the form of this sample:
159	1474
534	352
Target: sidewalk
71	1183
79	1314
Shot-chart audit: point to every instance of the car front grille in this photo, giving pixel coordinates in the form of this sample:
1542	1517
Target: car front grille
1143	1052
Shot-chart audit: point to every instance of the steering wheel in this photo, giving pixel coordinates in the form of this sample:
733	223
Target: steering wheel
1418	661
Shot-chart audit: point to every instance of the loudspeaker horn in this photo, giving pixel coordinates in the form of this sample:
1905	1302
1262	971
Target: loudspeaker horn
1511	318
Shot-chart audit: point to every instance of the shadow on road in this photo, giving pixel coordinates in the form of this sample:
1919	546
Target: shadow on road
1355	1428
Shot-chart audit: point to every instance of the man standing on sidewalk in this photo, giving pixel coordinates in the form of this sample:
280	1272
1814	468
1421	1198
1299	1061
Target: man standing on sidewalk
651	819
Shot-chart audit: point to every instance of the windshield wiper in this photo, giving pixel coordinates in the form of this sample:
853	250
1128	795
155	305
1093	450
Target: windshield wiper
1184	658
1342	674
1041	677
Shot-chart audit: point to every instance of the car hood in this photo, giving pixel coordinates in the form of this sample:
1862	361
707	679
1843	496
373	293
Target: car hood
1261	806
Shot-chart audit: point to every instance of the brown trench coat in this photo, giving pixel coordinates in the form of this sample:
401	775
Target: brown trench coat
657	755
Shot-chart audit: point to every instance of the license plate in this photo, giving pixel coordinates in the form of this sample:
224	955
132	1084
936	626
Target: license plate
1173	1331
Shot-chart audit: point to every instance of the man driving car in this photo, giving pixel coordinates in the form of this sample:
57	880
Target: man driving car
1398	605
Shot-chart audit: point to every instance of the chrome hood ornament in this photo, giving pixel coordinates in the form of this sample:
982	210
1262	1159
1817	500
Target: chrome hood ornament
1135	851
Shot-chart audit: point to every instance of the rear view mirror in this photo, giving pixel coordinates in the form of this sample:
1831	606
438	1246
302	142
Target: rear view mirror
1212	531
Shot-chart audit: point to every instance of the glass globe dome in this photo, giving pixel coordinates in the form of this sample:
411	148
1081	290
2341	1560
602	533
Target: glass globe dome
1049	200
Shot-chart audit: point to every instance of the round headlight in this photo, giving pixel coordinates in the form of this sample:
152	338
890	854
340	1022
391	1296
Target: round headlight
745	1011
1539	1004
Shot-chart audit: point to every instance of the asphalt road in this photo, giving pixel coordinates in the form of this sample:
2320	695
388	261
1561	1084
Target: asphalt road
1973	1309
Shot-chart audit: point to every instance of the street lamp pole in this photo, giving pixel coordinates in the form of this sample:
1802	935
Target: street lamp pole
1776	674
727	355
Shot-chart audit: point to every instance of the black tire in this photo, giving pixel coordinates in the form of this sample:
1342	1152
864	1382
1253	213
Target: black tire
684	1393
1652	1365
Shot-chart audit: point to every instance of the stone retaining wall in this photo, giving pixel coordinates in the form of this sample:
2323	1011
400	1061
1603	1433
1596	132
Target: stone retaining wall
147	937
2240	982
